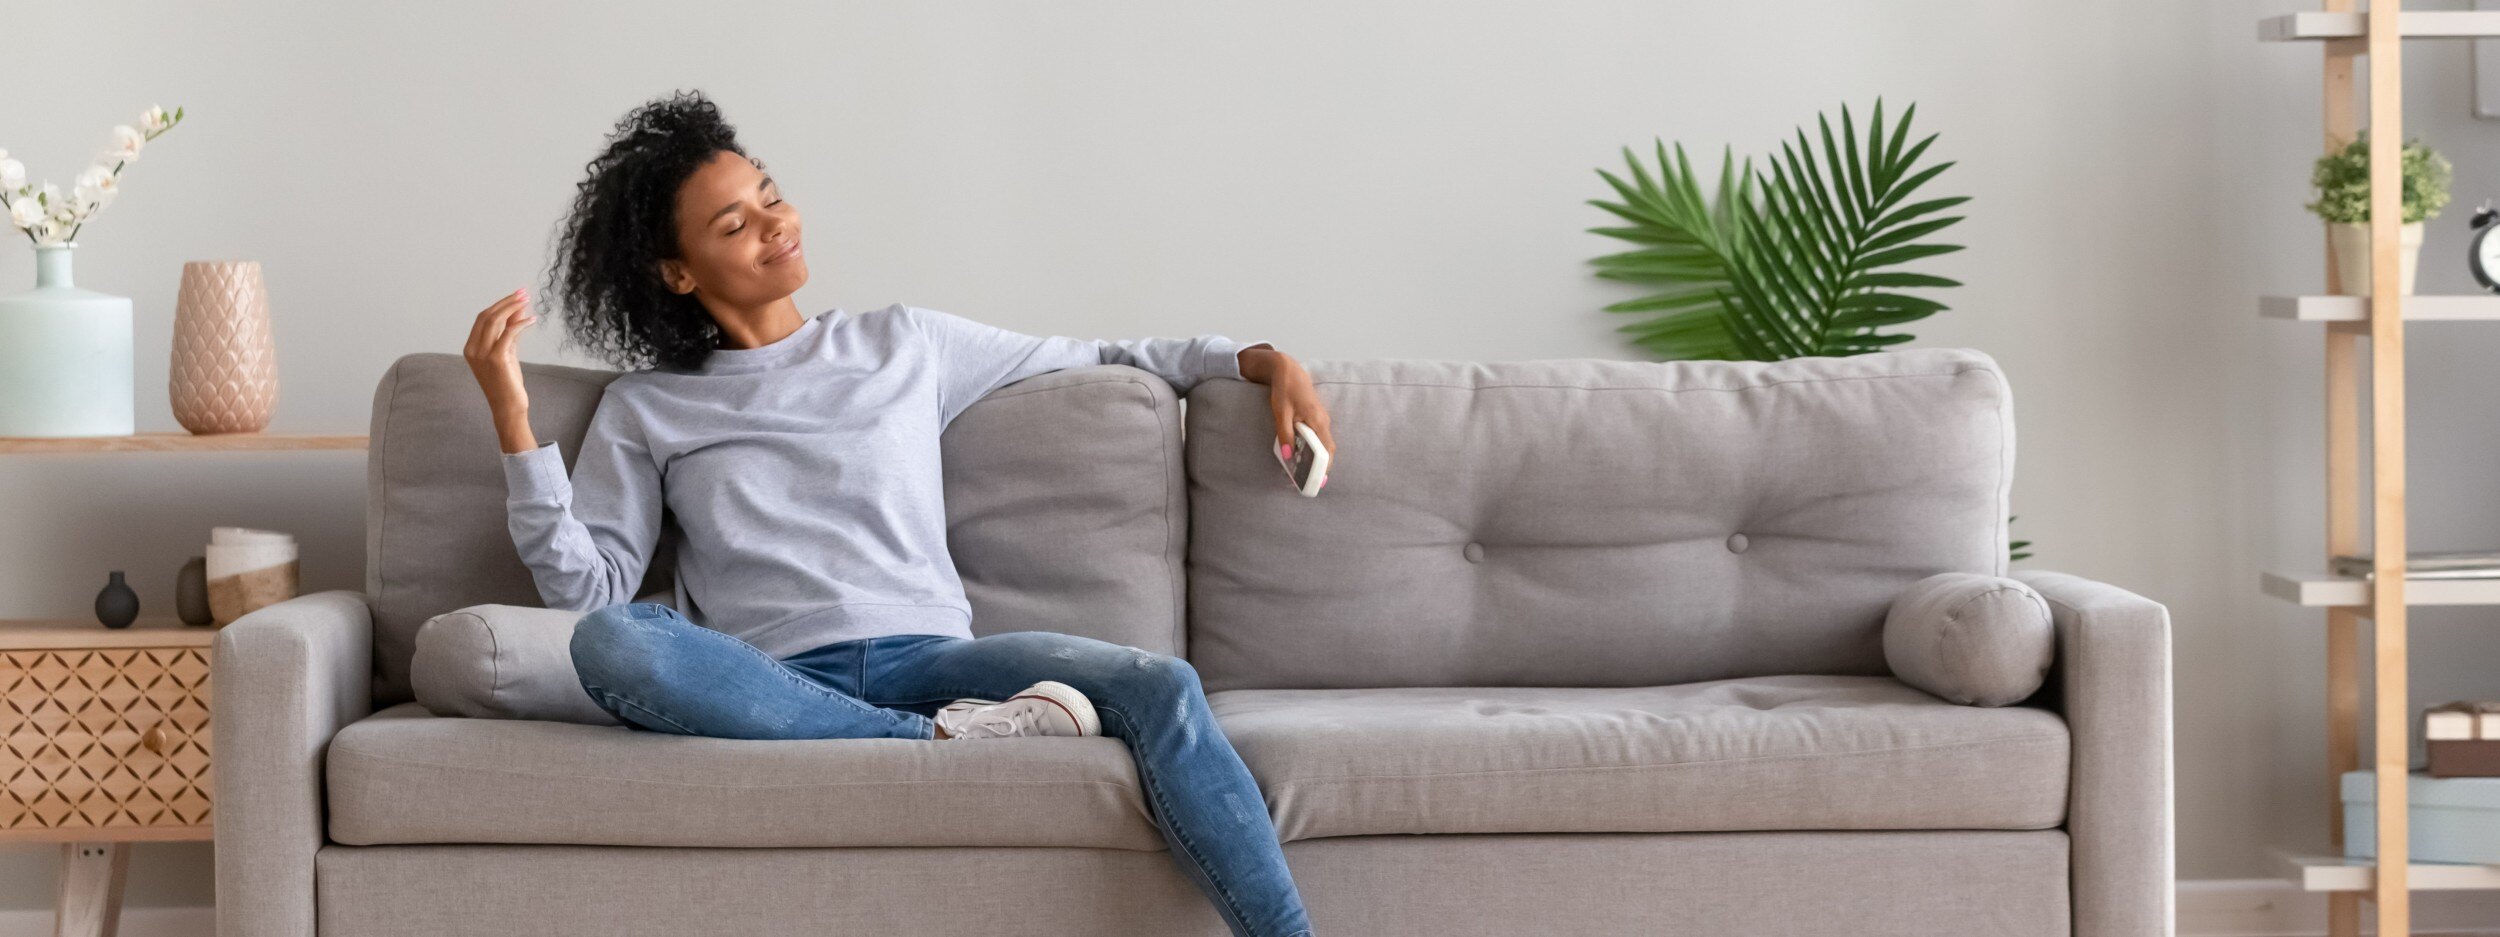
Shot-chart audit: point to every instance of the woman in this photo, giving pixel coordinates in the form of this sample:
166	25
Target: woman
800	457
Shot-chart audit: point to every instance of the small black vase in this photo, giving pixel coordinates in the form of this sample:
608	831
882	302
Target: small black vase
191	592
116	606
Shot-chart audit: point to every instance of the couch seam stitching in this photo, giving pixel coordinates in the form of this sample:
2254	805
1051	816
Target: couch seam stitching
1663	390
352	754
2012	740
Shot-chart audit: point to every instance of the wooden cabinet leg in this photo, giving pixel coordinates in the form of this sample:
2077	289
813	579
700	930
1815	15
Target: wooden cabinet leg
91	889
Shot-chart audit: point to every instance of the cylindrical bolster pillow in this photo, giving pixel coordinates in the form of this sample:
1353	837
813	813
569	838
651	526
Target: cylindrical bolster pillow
502	662
1972	639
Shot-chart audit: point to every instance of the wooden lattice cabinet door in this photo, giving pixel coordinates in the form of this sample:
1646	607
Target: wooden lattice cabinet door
104	743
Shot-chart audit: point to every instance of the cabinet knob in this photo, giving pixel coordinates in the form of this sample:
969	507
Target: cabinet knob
155	739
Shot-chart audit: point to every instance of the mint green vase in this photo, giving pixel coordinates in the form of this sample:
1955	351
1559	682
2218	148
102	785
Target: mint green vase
64	356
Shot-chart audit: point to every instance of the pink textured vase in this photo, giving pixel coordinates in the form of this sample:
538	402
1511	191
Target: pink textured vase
225	367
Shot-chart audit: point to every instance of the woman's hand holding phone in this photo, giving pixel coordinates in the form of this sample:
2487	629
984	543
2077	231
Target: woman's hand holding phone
1304	444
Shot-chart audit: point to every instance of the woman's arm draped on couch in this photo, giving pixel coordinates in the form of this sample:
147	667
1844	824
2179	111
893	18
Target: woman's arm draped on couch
974	358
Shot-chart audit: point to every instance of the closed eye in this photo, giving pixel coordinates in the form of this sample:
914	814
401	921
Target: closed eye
742	225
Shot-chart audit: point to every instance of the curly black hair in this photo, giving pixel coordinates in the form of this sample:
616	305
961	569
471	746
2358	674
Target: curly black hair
608	249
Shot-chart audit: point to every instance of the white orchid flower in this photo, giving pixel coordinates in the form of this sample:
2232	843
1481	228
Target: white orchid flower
45	215
126	143
98	184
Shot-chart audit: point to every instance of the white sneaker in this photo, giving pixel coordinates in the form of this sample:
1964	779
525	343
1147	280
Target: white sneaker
1046	708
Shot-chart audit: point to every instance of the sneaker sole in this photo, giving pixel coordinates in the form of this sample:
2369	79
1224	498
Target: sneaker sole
1069	700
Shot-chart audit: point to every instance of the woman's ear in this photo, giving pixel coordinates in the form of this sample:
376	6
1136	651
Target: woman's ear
673	272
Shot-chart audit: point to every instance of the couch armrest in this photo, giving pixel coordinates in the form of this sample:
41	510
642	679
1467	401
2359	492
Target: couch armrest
2113	684
284	679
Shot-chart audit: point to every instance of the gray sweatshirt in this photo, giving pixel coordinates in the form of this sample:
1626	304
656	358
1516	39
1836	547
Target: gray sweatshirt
804	474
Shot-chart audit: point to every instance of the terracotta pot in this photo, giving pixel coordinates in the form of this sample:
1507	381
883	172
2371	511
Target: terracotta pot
225	367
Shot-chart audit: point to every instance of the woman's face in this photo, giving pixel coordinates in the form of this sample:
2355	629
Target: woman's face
738	242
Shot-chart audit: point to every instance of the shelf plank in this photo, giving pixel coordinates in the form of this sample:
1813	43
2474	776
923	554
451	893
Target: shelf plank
185	442
23	634
2336	873
2442	24
2418	308
2317	588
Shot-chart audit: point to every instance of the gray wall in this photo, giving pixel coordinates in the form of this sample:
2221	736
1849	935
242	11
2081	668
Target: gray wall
1349	180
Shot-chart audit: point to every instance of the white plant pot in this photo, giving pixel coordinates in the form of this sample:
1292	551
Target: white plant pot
2350	243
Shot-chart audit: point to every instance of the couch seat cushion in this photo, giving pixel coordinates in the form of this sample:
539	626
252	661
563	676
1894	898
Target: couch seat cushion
1762	753
405	775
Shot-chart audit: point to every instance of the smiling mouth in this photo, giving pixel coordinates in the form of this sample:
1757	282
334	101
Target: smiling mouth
786	253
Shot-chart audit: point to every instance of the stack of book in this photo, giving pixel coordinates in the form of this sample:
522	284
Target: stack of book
2463	739
2468	565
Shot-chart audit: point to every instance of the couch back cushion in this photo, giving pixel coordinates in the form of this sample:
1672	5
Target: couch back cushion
1064	504
1587	522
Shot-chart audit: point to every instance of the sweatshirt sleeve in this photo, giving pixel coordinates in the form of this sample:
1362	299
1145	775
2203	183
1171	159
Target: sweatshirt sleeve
587	540
974	359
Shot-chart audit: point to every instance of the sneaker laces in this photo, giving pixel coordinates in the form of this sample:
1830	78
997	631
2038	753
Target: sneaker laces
986	718
1002	721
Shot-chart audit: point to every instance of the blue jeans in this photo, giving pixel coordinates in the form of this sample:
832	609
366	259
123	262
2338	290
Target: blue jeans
654	669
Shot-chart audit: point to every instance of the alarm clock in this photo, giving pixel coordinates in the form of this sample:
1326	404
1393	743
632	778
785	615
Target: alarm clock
2482	251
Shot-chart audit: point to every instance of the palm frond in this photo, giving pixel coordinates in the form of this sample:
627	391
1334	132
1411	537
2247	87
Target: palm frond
1794	258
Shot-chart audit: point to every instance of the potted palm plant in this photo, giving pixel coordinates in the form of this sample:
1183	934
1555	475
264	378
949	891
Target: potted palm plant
2340	194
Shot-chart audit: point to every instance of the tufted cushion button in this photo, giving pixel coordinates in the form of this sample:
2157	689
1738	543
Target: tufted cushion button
1474	552
1736	543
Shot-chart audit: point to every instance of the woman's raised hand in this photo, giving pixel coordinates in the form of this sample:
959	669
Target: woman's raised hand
495	358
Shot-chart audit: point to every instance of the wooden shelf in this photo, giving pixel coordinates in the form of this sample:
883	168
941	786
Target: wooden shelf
184	442
2336	873
2321	589
2296	27
2422	308
19	634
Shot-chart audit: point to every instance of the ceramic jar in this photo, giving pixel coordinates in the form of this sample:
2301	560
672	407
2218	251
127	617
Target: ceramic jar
64	356
224	377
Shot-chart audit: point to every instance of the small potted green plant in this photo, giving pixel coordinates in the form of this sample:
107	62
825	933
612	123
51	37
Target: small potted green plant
2340	189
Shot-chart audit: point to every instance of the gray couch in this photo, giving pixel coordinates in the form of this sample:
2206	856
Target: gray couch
1567	647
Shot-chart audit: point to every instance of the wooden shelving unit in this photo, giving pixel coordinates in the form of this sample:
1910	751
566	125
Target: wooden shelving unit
183	442
2347	38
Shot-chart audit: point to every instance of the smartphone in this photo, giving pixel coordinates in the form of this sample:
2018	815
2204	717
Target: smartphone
1308	469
